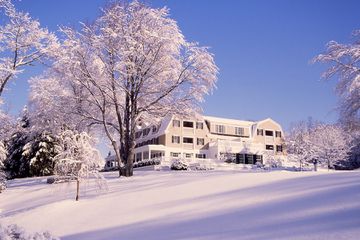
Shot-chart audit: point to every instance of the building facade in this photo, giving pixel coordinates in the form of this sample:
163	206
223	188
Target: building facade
245	142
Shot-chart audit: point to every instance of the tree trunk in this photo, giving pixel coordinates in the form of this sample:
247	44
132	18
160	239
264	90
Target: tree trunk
77	189
126	171
315	165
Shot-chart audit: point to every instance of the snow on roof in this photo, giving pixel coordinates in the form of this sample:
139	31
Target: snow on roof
228	121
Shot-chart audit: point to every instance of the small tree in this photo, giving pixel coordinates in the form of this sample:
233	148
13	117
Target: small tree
78	159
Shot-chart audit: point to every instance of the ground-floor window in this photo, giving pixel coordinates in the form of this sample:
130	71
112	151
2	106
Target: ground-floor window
174	154
269	147
188	155
248	158
200	155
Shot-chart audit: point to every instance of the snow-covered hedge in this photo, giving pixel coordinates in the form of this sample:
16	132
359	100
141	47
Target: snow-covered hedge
147	163
14	232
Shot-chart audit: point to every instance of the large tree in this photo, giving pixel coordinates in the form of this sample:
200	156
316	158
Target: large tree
22	42
344	61
133	66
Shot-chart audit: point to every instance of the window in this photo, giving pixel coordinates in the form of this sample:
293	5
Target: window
138	134
154	129
220	128
176	123
260	132
269	147
200	155
239	131
279	148
138	157
173	154
269	133
188	124
199	125
146	131
278	134
175	139
188	155
200	141
188	140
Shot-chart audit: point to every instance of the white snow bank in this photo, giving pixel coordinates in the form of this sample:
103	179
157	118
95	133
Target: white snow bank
192	205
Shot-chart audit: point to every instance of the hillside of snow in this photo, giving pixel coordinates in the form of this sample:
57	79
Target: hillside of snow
191	205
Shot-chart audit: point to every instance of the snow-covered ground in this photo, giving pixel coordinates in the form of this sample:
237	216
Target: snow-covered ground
192	205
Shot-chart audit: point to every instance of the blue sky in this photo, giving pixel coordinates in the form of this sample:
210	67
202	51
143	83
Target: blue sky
263	50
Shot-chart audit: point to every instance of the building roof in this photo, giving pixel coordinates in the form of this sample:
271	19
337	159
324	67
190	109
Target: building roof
228	121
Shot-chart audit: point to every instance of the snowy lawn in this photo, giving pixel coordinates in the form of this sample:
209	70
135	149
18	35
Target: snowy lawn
192	205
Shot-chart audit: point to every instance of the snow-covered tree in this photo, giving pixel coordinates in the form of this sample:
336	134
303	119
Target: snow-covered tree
332	144
298	145
22	42
16	163
41	150
78	159
345	64
133	65
56	104
6	123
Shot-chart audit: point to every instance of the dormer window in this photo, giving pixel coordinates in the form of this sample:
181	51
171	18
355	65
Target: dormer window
220	128
138	134
260	132
239	131
154	129
146	131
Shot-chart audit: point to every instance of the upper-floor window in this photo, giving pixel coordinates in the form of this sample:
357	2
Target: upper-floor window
239	131
146	131
176	123
269	147
188	124
269	133
154	129
220	128
175	139
200	141
138	134
199	125
188	140
278	134
279	148
260	132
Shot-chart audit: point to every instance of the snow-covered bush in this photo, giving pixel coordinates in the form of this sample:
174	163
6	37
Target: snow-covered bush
204	167
179	164
14	232
78	159
274	163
